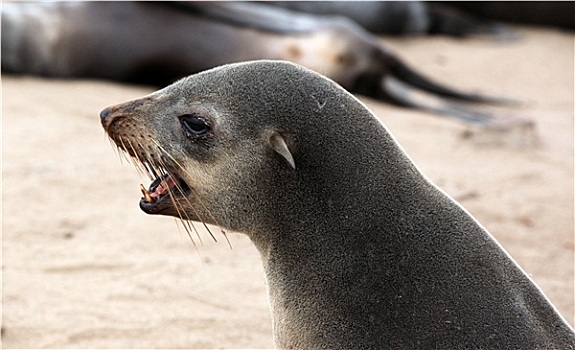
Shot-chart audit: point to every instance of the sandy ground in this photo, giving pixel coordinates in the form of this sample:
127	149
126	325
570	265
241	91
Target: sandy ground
83	267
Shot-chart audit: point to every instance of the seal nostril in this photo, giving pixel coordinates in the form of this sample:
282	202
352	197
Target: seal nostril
105	113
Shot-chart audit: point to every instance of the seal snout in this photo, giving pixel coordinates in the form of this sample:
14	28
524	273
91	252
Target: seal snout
109	114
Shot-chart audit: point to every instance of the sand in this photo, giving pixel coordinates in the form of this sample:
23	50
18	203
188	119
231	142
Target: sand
83	267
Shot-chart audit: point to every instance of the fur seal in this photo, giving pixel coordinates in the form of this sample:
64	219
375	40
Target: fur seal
360	250
106	40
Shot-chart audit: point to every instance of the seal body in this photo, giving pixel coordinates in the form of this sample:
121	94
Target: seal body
360	250
106	40
115	40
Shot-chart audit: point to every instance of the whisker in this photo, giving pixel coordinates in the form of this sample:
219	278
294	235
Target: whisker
193	242
123	152
160	169
144	162
176	205
150	170
225	234
187	219
115	147
199	200
136	161
191	223
209	231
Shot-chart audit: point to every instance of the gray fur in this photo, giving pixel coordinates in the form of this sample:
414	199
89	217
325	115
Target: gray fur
360	250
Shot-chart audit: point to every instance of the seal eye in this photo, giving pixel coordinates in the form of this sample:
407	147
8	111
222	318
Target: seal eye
194	126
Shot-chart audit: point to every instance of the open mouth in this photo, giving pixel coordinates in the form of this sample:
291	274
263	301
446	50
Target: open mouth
162	193
168	190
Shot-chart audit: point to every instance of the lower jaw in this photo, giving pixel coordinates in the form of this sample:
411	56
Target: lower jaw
163	206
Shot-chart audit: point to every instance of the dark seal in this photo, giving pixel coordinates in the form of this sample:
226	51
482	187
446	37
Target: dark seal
360	250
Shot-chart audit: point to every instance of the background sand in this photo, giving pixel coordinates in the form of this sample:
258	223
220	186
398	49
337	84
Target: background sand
83	267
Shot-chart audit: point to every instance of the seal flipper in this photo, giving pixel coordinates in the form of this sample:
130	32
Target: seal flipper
403	94
403	72
278	144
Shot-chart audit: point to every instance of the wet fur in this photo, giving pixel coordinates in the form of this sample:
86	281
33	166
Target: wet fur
360	250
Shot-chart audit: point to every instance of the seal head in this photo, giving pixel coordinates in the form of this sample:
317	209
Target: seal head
226	141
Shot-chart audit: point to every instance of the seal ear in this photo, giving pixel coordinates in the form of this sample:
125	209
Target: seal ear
278	144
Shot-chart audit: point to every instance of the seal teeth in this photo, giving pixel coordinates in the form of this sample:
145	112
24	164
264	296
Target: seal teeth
146	194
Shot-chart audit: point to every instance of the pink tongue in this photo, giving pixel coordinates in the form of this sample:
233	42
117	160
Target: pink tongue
163	187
